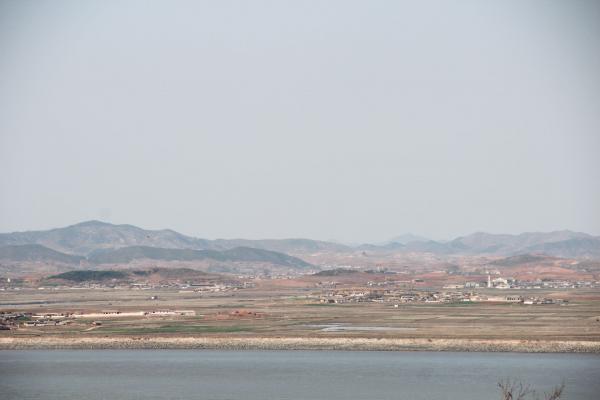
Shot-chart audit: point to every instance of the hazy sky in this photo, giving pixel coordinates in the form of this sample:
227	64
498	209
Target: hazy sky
351	120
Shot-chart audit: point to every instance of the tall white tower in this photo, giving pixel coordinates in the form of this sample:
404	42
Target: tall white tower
489	281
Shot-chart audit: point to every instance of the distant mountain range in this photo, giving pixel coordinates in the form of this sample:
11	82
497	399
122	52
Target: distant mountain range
28	253
559	244
101	242
408	238
87	237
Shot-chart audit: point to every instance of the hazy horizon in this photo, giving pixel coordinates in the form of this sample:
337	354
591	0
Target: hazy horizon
334	240
338	120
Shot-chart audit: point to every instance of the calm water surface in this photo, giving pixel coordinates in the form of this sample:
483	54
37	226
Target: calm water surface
294	375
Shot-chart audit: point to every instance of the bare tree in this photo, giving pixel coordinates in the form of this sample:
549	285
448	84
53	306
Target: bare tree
517	390
514	390
555	393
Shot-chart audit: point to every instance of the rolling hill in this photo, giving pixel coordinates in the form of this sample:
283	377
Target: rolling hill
580	247
565	243
519	260
89	275
85	237
37	253
126	255
528	242
143	275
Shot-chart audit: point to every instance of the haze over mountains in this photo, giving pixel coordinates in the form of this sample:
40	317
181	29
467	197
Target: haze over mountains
36	253
558	243
408	238
128	254
86	237
100	241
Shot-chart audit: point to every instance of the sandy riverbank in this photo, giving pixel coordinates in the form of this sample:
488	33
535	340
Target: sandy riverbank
291	343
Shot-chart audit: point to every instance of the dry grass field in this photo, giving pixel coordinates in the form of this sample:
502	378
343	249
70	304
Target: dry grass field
294	312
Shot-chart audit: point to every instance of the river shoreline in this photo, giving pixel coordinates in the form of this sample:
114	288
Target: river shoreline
296	343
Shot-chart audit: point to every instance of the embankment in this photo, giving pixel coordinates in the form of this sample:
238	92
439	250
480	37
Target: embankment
291	343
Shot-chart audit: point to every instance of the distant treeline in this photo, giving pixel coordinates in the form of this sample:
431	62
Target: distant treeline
89	275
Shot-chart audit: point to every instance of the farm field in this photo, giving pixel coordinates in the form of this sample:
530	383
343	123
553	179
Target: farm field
295	312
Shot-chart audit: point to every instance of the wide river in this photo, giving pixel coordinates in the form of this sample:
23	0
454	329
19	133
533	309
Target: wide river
263	375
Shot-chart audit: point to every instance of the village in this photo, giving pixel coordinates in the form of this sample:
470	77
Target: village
416	291
197	287
397	297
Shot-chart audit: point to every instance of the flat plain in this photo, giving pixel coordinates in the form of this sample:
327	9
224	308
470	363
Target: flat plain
279	311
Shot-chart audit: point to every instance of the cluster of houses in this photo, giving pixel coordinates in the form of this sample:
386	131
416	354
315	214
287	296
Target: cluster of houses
9	320
46	322
512	283
215	288
13	320
124	314
388	296
200	286
491	283
399	297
